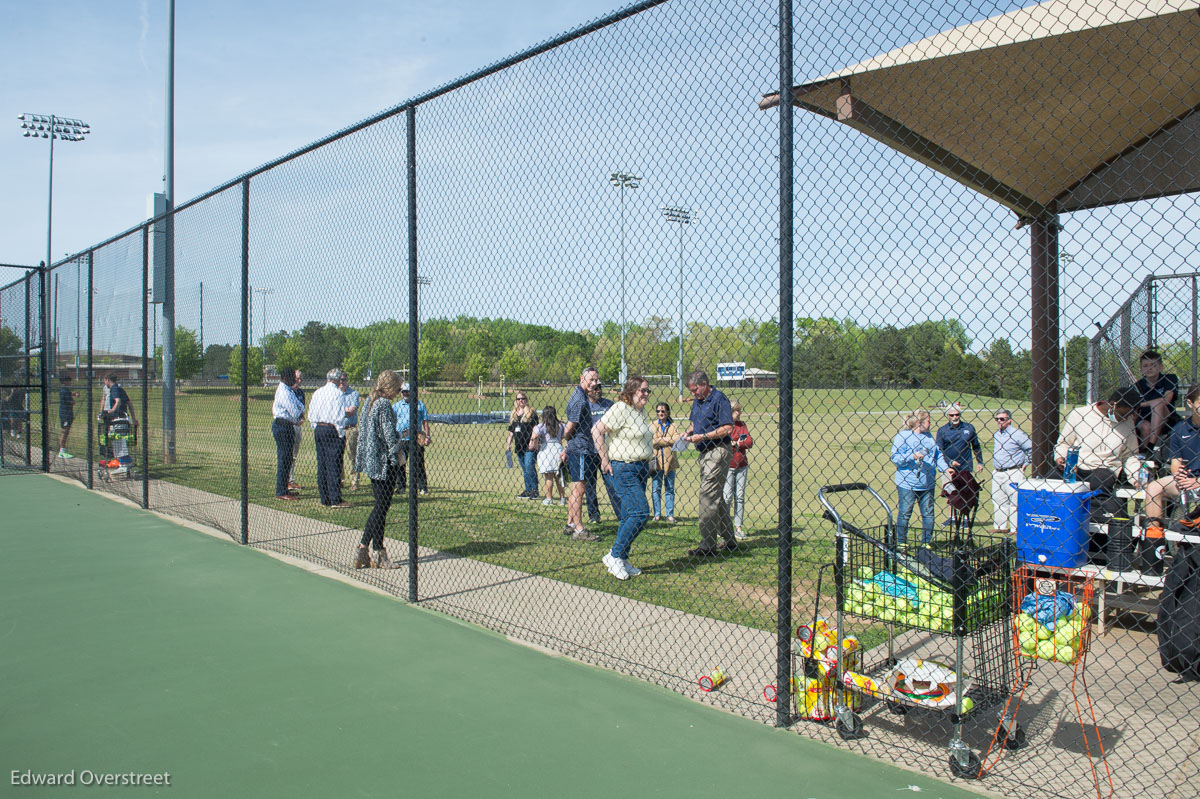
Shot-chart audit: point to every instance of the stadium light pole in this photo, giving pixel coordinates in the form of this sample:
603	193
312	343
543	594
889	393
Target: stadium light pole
49	127
681	216
623	181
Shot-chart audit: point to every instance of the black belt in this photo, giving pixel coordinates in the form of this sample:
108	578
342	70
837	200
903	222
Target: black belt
723	442
1009	468
285	421
325	424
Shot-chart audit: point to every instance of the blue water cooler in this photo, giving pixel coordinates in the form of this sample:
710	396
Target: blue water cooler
1052	522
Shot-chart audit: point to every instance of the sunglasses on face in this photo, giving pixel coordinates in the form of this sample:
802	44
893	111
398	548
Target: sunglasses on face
1001	418
954	415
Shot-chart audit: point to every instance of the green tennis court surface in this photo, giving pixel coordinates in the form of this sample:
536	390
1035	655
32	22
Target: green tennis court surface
130	644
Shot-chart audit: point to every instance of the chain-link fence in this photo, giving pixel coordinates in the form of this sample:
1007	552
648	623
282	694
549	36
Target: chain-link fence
583	408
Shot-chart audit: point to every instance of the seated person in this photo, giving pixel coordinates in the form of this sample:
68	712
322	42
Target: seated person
1107	443
1184	447
1156	408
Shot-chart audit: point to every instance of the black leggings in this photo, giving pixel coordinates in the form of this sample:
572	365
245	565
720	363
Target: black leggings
383	491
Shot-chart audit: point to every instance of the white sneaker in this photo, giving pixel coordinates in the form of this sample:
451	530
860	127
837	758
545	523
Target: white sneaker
630	569
547	501
739	535
562	501
616	566
119	470
66	456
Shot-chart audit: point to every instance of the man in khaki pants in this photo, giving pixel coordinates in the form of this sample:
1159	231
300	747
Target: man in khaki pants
709	426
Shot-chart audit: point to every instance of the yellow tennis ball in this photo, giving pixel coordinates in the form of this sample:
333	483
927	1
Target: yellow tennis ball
1043	633
1065	654
1046	650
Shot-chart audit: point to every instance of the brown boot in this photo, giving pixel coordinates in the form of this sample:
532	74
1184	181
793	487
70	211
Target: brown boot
362	559
380	560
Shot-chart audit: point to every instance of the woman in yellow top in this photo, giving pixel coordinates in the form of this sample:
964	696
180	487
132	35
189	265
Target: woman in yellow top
665	461
624	442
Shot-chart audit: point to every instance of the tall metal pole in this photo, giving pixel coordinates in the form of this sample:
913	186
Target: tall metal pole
203	365
623	368
78	290
783	624
245	336
681	216
679	366
91	411
623	181
168	299
413	374
44	305
146	354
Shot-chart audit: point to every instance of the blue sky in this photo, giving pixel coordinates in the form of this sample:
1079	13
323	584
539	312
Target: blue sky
254	80
515	209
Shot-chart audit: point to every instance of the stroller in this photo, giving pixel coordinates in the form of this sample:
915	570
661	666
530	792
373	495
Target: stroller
117	438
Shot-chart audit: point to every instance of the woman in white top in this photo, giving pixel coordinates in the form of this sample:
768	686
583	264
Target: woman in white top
625	443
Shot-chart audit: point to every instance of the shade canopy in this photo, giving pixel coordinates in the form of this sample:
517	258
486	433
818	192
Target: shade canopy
1063	106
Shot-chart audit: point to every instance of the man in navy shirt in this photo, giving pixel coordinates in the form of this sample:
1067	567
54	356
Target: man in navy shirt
580	453
959	441
1184	447
709	426
598	405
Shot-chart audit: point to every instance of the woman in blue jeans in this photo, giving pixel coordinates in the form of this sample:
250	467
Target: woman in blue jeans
918	460
624	444
665	461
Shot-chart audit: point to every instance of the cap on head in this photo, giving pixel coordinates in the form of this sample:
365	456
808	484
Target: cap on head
1125	397
953	407
404	386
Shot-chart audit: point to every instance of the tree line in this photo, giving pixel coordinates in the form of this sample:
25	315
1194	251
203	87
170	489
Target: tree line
827	353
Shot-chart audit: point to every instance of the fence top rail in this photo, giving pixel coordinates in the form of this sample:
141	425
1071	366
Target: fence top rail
498	66
1141	287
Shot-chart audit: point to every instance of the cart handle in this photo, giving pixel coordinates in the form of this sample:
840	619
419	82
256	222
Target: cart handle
837	489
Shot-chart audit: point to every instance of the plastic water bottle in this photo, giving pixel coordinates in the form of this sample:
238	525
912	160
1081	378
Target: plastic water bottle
1069	475
1143	474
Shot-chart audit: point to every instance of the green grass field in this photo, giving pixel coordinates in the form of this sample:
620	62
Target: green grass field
840	436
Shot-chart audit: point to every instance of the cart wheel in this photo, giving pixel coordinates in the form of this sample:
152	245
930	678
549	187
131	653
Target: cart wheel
1016	740
971	771
896	708
855	731
770	694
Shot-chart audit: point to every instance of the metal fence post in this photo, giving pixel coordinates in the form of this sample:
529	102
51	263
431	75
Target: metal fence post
245	428
91	371
146	367
413	311
783	625
47	354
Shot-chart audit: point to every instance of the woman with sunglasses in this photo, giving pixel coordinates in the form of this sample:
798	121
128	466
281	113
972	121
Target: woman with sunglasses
662	486
520	430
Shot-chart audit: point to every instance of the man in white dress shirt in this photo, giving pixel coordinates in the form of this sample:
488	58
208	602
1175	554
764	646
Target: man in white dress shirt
287	411
327	415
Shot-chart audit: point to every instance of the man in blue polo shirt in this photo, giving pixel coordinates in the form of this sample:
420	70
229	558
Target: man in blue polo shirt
710	424
580	453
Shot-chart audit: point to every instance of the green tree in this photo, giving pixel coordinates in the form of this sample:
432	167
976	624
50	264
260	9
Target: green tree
255	359
10	347
187	353
430	360
1076	355
476	367
292	356
512	365
610	365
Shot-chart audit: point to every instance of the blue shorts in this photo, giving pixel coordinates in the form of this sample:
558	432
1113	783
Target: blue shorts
583	466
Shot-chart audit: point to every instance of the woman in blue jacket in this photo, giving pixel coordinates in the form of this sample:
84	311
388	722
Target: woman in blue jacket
918	460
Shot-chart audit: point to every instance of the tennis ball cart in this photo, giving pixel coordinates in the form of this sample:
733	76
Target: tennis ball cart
947	602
